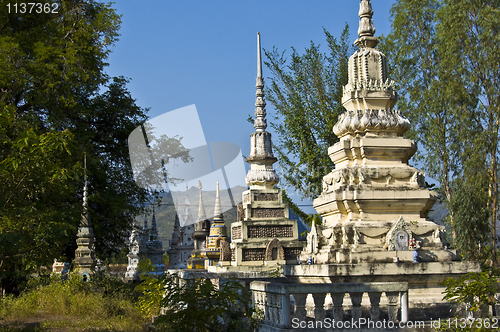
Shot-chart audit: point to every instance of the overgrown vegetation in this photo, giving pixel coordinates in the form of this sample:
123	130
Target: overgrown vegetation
102	304
476	292
195	305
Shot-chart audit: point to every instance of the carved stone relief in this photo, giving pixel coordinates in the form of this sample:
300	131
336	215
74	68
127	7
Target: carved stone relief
274	251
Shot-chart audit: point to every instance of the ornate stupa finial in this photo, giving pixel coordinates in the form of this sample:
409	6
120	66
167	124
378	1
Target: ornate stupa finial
85	222
366	30
201	207
260	123
261	158
369	95
218	208
366	27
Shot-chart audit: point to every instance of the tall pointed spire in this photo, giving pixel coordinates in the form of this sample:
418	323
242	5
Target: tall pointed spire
218	208
261	158
260	123
218	232
201	208
85	222
85	261
187	217
153	220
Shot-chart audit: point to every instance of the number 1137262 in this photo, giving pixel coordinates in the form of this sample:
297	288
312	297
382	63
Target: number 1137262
33	7
485	323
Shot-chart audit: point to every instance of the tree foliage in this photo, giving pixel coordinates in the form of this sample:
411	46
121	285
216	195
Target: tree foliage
445	60
57	104
306	93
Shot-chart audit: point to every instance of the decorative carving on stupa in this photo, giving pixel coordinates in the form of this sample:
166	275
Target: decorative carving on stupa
201	231
85	261
372	185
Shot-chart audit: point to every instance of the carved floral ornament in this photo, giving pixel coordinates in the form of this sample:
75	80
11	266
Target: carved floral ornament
400	237
280	252
261	177
358	175
361	121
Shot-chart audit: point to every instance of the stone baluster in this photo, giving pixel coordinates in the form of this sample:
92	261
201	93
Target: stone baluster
392	298
265	301
356	305
338	310
404	306
300	306
285	310
272	307
319	306
374	306
278	312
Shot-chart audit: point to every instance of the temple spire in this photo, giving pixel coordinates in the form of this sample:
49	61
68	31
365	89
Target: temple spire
261	158
218	208
201	207
260	104
85	222
153	220
366	30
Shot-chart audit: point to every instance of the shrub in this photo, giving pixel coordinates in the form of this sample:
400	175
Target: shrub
195	305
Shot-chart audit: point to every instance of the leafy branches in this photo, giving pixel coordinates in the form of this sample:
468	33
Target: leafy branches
307	93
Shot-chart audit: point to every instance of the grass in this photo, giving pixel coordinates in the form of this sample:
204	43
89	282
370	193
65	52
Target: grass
103	304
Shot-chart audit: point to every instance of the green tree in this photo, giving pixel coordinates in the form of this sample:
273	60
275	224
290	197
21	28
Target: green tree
470	35
445	61
57	104
471	216
307	94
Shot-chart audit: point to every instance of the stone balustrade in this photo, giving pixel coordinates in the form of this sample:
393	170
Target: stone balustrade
273	298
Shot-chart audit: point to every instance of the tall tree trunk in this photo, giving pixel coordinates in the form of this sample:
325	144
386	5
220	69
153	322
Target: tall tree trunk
494	195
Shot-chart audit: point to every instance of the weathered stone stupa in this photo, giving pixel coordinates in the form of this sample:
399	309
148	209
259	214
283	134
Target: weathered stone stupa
137	247
201	231
372	185
263	234
85	261
374	205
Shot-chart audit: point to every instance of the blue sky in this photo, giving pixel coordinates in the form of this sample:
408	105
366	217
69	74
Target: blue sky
178	53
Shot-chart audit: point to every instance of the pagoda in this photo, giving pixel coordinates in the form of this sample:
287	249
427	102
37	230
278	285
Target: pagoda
263	234
85	261
137	246
217	242
173	251
201	231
